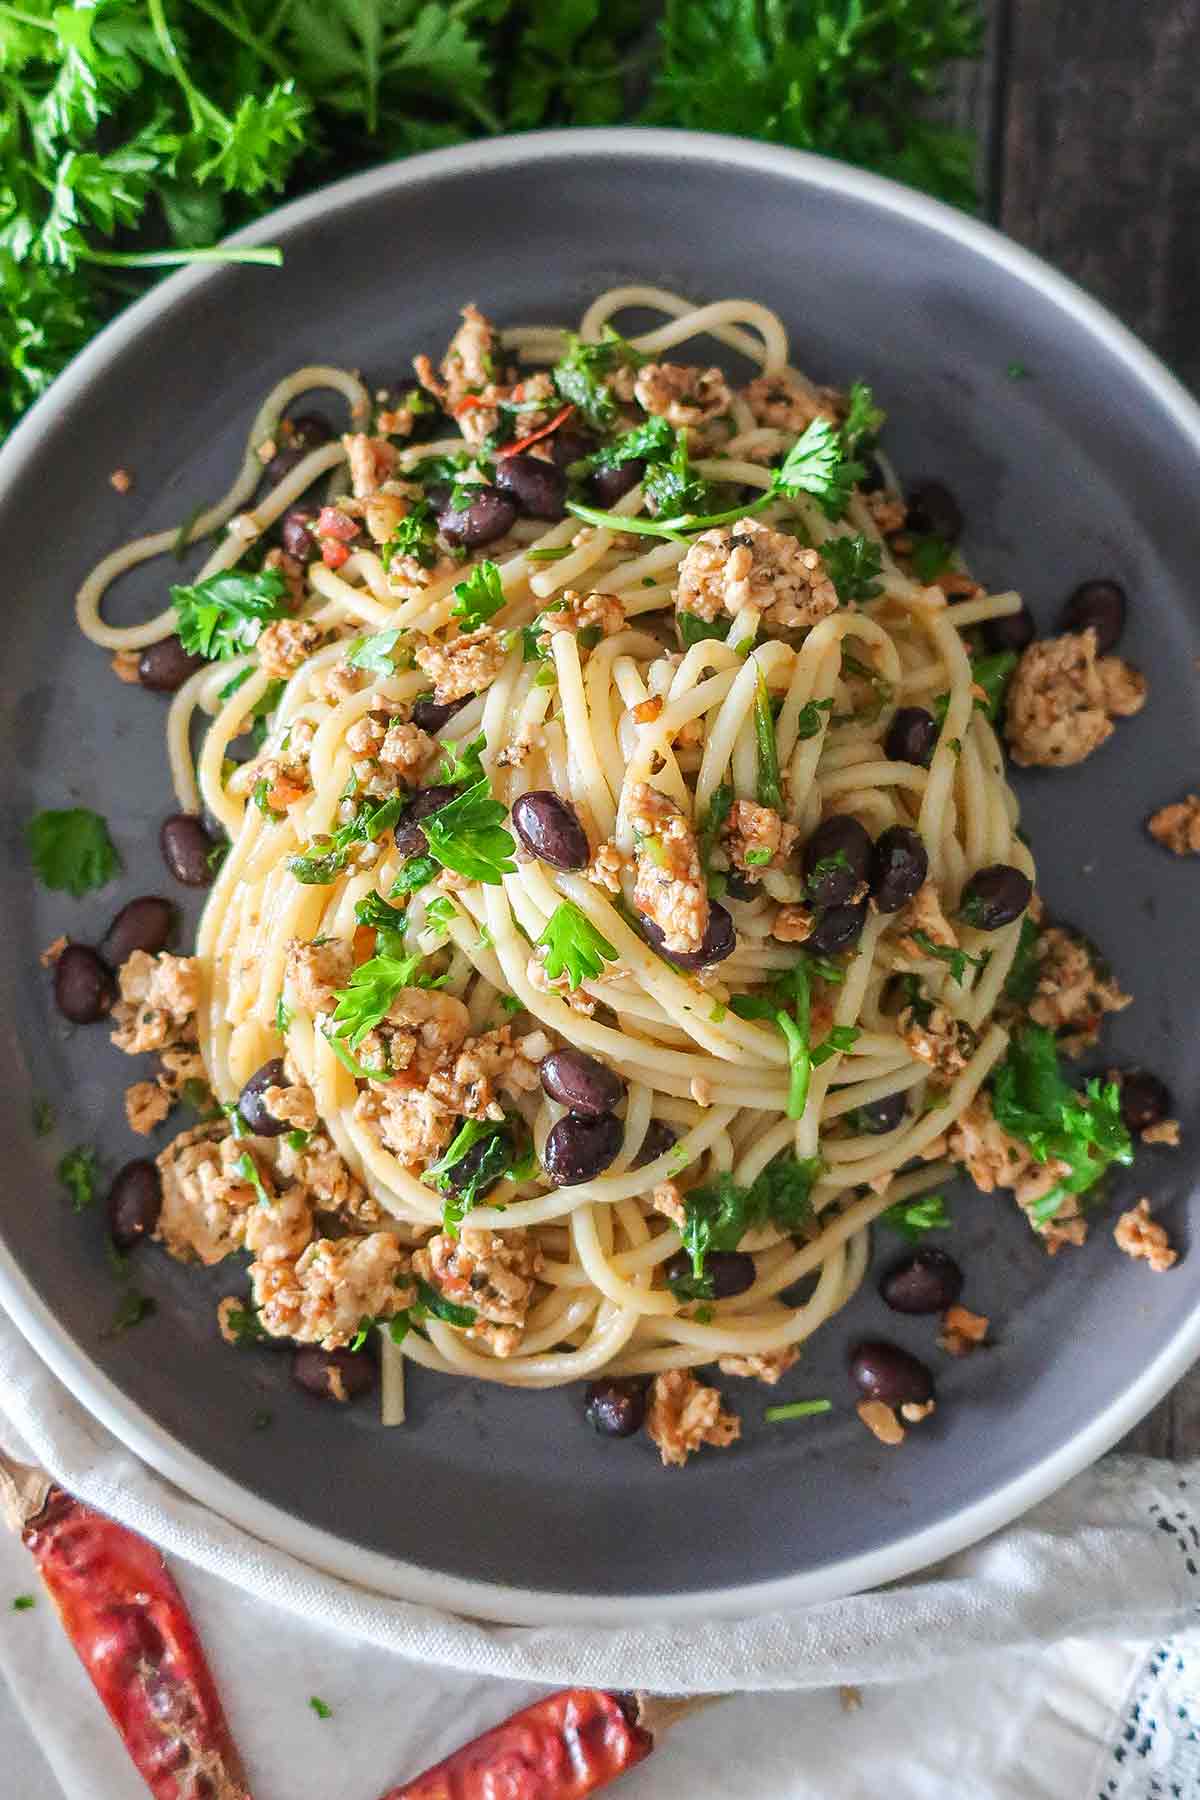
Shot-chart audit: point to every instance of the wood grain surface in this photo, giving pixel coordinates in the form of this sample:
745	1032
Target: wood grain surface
1089	154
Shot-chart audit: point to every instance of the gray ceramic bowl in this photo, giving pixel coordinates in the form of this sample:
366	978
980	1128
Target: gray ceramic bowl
500	1503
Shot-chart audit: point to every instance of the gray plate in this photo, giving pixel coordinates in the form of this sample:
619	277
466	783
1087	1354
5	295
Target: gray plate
501	1502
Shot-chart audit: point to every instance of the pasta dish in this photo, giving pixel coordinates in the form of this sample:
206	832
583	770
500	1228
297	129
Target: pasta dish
624	904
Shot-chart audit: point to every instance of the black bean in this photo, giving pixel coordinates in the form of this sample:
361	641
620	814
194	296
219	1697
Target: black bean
307	431
186	849
165	666
298	540
580	1147
251	1102
927	1281
569	446
836	859
580	1081
608	485
728	1272
616	1408
489	515
536	487
1100	604
659	1138
878	1116
408	836
144	924
720	940
933	511
333	1374
549	828
134	1203
437	493
742	887
911	736
899	865
84	989
431	714
995	896
1145	1100
885	1372
836	929
1012	632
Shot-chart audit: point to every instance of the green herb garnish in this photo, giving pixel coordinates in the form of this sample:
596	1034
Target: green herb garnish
955	959
71	850
1032	1102
769	791
78	1171
853	565
376	653
573	946
479	597
719	1214
224	615
322	866
796	1409
913	1218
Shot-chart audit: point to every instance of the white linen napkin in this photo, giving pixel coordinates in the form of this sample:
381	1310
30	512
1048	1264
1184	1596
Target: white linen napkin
1102	1573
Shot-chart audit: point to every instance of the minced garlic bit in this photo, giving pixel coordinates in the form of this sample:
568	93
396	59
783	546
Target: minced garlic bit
1138	1236
880	1421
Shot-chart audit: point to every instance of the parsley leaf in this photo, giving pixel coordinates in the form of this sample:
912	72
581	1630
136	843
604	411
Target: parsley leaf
481	1153
992	674
955	959
579	376
441	1308
718	810
24	1603
457	769
416	533
71	850
930	557
42	1116
478	598
224	615
321	1707
132	1309
386	921
654	440
913	1218
248	1169
719	1214
769	791
853	563
468	836
77	1171
669	484
1084	1130
809	721
373	987
695	630
376	653
574	946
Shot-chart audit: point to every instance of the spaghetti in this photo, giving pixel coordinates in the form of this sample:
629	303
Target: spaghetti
705	700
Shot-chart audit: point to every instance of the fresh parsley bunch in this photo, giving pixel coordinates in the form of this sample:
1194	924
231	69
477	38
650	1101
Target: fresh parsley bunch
139	132
1084	1130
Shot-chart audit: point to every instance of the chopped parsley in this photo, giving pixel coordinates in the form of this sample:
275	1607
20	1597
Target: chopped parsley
797	1409
132	1309
1084	1130
913	1218
853	564
376	653
244	1323
478	598
695	630
955	959
71	850
416	534
458	770
788	1002
573	946
247	1168
283	1016
719	1214
1016	371
483	1152
930	557
23	1603
429	1302
468	836
41	1115
322	1710
387	922
670	484
579	376
654	440
1020	984
225	615
78	1171
322	866
769	791
373	987
809	721
992	674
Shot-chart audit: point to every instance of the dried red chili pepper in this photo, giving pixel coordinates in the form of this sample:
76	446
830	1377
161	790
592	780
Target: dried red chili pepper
543	431
561	1748
130	1628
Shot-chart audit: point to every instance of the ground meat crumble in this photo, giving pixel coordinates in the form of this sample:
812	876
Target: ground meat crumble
683	1414
1073	992
1177	827
749	564
936	1037
756	838
1138	1235
1062	700
681	394
766	1366
494	1273
159	996
463	665
787	404
669	886
324	1294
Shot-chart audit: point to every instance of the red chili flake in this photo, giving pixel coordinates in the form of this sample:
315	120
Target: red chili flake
333	554
534	436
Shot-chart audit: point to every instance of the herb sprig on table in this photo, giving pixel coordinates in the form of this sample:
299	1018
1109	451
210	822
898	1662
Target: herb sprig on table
141	131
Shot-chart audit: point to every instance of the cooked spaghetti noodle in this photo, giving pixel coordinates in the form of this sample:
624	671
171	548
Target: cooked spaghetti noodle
626	661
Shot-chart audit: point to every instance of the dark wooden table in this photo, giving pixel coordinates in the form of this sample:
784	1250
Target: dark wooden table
1089	132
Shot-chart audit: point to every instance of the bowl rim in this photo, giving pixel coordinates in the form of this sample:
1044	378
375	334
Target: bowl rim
201	1480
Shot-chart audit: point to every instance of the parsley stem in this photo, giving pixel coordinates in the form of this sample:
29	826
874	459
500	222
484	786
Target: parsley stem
798	1409
241	32
23	18
769	791
798	1033
269	255
675	528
